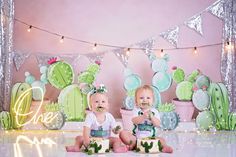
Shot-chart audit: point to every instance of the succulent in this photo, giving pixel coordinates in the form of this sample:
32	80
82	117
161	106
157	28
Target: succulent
53	107
205	120
19	91
167	107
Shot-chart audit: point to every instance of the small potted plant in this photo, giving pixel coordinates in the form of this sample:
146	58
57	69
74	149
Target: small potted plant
184	92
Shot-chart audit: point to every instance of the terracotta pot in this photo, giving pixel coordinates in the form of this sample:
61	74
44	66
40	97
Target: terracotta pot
127	116
185	109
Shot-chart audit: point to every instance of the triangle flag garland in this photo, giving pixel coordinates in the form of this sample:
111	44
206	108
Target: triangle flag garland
171	35
195	23
94	57
217	9
147	45
19	59
122	56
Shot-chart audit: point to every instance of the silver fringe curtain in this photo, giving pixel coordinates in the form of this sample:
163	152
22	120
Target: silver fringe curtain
6	54
228	56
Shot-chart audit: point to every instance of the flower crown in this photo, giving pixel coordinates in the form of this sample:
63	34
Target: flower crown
100	89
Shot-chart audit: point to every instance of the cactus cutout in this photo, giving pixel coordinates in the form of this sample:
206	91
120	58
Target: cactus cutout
232	121
201	99
205	120
73	103
179	75
5	120
17	90
60	74
219	104
202	81
57	123
147	146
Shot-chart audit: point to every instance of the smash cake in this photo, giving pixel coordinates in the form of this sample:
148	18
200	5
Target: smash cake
148	145
98	145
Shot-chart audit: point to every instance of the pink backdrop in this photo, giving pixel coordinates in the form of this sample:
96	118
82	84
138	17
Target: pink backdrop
121	23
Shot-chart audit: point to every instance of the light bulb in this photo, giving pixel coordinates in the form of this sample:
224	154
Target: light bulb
29	29
95	46
195	50
128	51
229	46
62	39
162	53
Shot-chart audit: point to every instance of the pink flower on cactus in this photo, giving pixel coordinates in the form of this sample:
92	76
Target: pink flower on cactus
98	62
195	88
52	60
174	67
204	87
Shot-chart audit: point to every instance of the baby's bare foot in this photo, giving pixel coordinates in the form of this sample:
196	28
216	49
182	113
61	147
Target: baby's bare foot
72	149
121	149
167	149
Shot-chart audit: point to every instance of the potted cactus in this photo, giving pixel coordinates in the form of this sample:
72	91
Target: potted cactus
169	118
184	93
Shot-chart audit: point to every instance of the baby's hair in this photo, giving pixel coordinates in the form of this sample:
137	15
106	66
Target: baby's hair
144	87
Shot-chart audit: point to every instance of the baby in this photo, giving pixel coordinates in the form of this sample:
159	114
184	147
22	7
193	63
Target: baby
99	123
145	121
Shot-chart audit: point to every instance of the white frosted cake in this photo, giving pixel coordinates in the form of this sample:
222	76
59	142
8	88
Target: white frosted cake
148	145
98	145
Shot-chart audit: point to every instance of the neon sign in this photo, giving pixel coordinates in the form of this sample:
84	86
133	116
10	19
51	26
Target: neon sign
44	118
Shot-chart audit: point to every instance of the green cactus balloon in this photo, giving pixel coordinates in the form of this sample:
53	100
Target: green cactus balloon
184	90
5	120
205	120
60	74
178	75
219	104
17	94
201	99
232	121
73	103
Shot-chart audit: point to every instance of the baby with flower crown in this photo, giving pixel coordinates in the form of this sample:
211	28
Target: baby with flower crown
99	123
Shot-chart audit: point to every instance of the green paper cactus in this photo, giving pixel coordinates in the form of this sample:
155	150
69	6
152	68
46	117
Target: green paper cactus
178	75
219	105
205	120
17	90
147	146
89	75
184	89
6	120
201	99
73	103
60	74
232	121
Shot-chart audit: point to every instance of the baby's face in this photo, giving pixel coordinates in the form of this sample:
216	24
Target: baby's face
144	99
99	103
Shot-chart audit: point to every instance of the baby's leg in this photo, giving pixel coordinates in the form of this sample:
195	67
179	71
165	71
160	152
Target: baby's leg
117	145
166	148
77	146
128	139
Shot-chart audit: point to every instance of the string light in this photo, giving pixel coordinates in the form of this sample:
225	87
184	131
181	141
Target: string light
29	29
229	46
95	46
128	51
62	39
162	53
106	45
195	50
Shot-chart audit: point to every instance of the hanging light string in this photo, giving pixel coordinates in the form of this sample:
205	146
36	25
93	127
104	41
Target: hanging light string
63	37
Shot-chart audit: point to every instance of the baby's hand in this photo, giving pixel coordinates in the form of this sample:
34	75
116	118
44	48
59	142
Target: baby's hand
86	142
146	115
